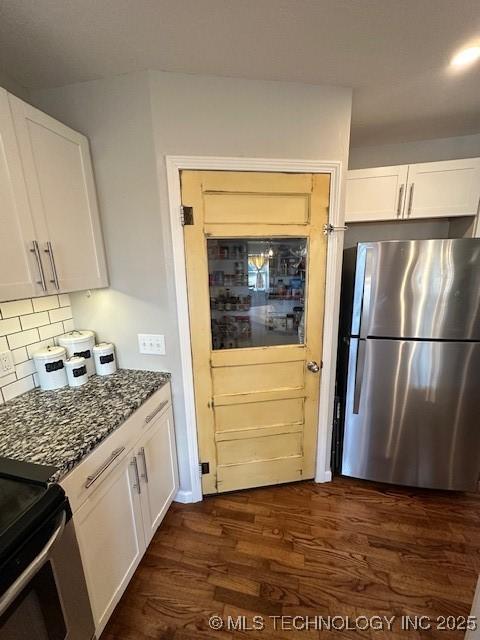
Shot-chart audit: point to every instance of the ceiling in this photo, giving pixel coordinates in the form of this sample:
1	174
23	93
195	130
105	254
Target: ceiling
394	53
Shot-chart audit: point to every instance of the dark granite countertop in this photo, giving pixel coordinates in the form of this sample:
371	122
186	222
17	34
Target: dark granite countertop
61	427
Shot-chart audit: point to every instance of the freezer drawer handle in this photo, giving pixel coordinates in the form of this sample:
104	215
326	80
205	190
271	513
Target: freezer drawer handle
103	467
359	375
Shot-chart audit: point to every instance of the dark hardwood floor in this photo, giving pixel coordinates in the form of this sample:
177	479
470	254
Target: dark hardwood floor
347	548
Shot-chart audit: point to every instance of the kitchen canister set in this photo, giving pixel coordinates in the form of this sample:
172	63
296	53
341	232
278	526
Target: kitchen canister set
74	360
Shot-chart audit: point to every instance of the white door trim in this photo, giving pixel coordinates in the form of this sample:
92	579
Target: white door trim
174	165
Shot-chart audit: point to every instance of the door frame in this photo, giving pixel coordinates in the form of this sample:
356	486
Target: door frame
174	165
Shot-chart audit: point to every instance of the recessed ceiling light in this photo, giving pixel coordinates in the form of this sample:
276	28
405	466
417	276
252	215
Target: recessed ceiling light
466	56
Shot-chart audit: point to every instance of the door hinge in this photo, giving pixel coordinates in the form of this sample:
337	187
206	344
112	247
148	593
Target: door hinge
330	228
186	215
204	468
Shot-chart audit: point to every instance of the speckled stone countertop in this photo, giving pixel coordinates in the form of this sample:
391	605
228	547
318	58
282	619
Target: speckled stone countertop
61	427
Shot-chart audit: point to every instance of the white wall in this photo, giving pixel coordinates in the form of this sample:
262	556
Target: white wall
418	151
133	121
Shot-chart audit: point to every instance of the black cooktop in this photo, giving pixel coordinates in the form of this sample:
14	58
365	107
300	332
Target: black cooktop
27	501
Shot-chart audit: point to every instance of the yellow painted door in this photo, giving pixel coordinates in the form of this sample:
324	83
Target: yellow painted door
255	258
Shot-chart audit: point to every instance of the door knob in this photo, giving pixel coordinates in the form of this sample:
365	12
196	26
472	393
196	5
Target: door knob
313	366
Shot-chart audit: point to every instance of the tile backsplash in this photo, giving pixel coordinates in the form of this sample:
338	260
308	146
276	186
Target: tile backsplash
26	326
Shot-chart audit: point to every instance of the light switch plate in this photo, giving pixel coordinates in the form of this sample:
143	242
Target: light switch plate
151	344
6	363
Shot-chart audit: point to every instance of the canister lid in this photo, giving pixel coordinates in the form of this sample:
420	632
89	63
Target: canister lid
76	337
103	347
75	361
50	353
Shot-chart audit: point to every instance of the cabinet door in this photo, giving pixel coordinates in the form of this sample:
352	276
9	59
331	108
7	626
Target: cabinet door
375	194
443	189
18	271
111	539
60	185
157	461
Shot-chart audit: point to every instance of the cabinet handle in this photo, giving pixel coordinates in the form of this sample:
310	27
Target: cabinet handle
136	484
410	200
156	411
141	453
49	250
36	252
103	467
400	200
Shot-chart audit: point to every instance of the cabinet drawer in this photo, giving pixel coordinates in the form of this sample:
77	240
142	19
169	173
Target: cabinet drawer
85	478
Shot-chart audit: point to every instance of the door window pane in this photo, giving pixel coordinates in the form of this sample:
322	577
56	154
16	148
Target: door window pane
257	291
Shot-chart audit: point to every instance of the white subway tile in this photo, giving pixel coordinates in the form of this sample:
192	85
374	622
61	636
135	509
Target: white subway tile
33	348
21	339
17	388
51	330
64	313
64	300
19	355
11	377
46	303
35	320
25	369
16	308
3	344
9	326
68	325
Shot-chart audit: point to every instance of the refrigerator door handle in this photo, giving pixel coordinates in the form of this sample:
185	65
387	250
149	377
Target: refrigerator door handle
359	369
367	295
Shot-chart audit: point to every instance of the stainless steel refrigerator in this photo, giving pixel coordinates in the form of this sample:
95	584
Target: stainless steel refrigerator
411	363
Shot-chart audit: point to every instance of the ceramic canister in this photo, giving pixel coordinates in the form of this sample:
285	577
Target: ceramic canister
80	343
76	371
50	365
105	361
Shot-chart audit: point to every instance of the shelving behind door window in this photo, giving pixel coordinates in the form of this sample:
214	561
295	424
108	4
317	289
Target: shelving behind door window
257	291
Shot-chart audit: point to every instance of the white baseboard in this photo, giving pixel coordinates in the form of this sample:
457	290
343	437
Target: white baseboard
326	477
183	496
186	497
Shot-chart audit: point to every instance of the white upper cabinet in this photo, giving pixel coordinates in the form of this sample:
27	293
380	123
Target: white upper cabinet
59	181
443	189
375	194
19	271
426	190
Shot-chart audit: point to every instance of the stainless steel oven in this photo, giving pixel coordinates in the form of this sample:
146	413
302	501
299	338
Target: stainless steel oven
44	595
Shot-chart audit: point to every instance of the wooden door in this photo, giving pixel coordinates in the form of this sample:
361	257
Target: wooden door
19	272
110	535
157	463
59	180
443	189
256	322
375	194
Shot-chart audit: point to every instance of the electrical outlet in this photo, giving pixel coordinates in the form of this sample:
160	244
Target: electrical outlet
151	344
6	363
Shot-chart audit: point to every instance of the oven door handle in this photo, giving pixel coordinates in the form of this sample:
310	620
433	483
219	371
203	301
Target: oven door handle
24	578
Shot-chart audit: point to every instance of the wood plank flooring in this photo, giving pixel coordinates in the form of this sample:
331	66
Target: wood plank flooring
347	548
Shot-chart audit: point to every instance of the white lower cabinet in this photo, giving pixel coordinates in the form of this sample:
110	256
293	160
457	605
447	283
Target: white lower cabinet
128	487
111	540
157	464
